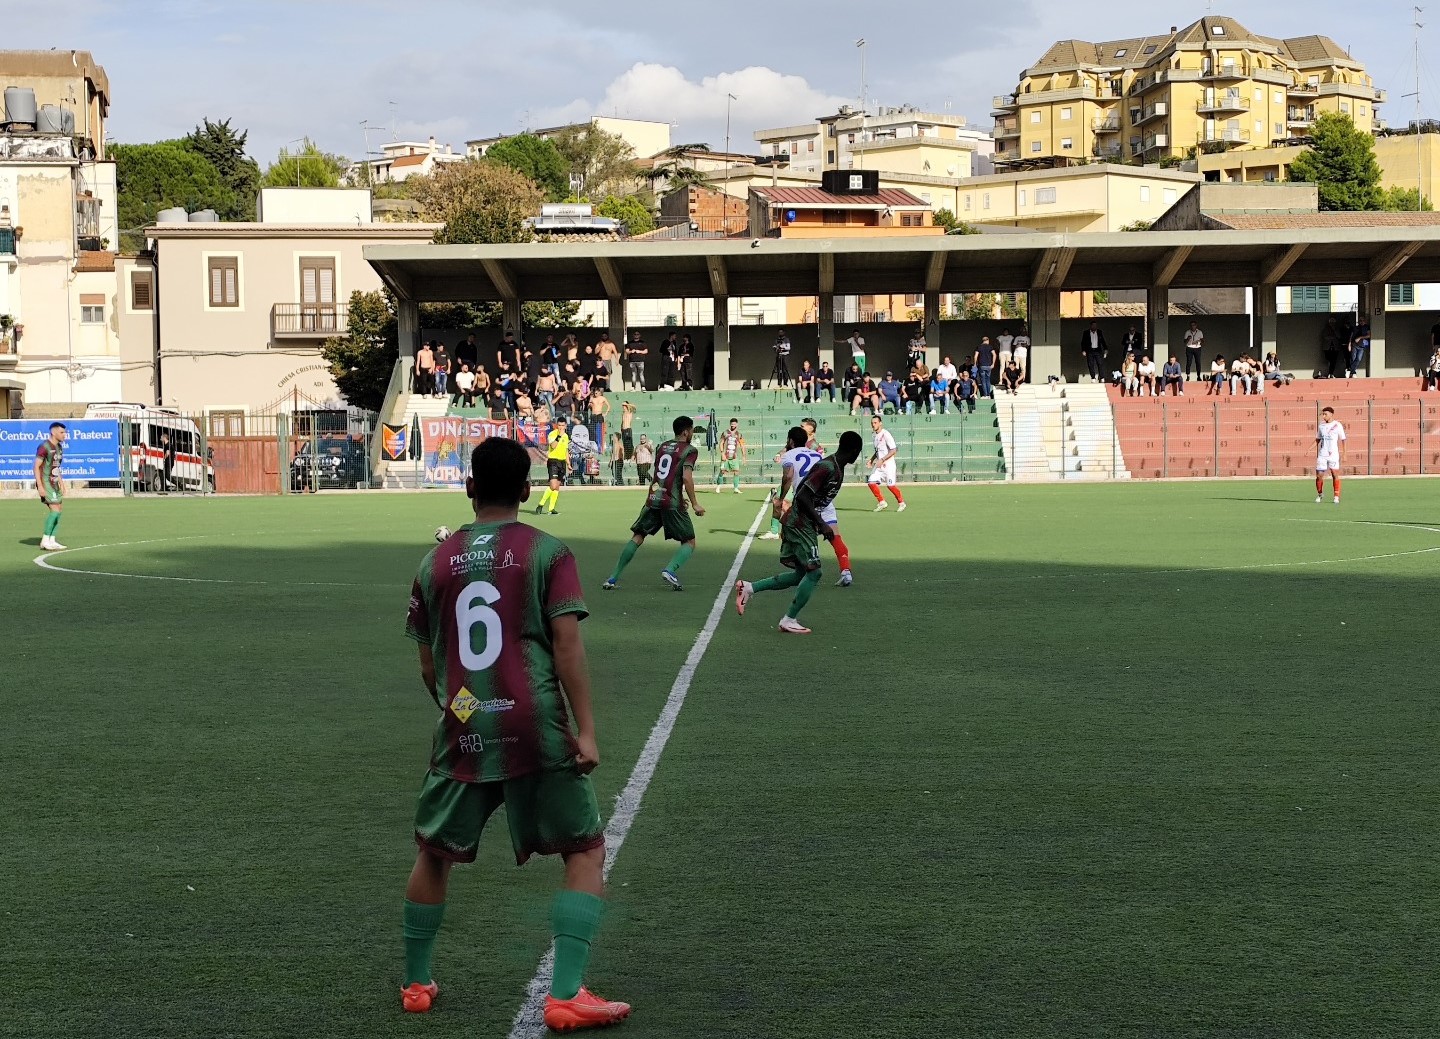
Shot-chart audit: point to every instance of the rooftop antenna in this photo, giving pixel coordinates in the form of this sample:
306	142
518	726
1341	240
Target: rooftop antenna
864	89
1419	115
369	170
393	106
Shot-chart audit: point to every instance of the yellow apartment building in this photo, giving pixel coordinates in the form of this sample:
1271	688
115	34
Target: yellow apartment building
1212	87
1066	200
1407	160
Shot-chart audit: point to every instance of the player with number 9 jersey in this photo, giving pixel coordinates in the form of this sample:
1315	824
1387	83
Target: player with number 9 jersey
667	486
483	602
671	485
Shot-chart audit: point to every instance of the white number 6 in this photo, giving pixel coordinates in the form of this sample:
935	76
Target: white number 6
469	613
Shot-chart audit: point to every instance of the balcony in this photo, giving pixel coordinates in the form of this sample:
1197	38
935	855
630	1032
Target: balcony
9	357
1226	70
308	320
1156	141
1159	110
1299	118
1280	77
1006	129
1107	124
1223	103
1003	103
1380	96
1227	136
1109	151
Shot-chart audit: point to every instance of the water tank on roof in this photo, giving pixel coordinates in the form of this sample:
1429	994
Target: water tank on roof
50	120
67	122
204	216
174	215
20	105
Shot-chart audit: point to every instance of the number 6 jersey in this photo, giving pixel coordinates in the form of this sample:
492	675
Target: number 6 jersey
483	602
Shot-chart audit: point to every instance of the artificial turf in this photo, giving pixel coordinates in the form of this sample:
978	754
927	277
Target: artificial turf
1068	761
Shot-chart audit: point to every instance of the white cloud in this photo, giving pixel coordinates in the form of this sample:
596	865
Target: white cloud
763	98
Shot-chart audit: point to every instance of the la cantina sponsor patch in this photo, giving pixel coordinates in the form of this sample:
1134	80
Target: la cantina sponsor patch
465	704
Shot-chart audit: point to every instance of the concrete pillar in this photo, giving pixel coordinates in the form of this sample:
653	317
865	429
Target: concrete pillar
722	343
615	314
825	325
513	318
934	349
1372	308
1043	310
407	327
1262	321
1157	326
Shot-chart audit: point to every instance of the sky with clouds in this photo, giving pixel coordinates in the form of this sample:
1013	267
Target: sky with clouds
461	69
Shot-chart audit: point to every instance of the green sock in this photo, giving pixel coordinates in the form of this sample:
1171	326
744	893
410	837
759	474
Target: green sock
737	479
807	588
52	520
574	919
678	560
626	554
774	525
422	923
789	579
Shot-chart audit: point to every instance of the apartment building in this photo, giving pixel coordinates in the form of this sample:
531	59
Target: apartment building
646	137
1213	86
895	140
401	160
58	334
1065	200
227	319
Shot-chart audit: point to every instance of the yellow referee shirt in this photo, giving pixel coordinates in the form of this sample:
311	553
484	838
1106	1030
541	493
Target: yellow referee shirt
559	442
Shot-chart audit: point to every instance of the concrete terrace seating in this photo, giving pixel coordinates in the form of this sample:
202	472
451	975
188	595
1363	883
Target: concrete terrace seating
1392	425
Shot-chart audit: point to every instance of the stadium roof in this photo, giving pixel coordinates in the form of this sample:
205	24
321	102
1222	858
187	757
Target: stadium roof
943	263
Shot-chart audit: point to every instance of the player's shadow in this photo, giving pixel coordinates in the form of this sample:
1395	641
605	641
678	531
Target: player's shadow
30	541
726	530
1276	501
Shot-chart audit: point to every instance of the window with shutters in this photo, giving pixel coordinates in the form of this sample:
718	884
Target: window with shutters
1310	299
317	294
224	281
142	290
1400	295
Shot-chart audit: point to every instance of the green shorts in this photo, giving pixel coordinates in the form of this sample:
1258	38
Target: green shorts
53	496
550	813
675	522
729	465
800	547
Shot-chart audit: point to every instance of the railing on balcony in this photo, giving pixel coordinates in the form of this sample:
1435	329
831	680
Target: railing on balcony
1003	102
1107	124
1225	136
1300	116
1109	151
308	320
1006	129
1225	103
1156	111
7	241
1224	70
1305	88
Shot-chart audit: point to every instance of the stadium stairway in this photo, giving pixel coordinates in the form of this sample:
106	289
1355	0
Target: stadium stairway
406	476
1393	428
1059	431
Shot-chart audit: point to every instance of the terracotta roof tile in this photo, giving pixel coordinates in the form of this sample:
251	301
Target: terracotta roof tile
1283	221
889	197
94	262
410	160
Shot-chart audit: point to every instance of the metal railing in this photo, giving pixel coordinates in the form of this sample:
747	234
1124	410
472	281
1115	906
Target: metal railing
308	320
1227	103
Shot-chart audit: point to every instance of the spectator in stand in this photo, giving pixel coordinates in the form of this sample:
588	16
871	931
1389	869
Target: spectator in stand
570	348
468	352
617	460
850	385
1332	338
1129	377
1359	344
916	392
635	353
1173	377
581	393
687	362
524	406
889	392
940	387
1218	368
805	383
964	388
1245	376
1132	342
564	404
550	356
1021	348
609	355
1147	377
529	364
425	369
1094	350
545	387
1194	344
917	348
856	342
1432	371
1272	372
465	386
825	381
984	362
1004	348
782	357
669	360
599	413
508	350
442	371
644	459
866	397
946	370
1010	377
569	375
482	383
498	403
587	363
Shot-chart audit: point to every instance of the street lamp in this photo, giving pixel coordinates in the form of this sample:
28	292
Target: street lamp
725	202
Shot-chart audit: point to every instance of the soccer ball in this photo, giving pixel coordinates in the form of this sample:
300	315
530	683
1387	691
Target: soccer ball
442	534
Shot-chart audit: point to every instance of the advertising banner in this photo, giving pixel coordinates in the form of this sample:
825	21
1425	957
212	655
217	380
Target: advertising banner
92	449
394	440
447	442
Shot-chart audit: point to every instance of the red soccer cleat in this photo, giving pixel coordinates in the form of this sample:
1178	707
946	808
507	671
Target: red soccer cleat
586	1010
416	998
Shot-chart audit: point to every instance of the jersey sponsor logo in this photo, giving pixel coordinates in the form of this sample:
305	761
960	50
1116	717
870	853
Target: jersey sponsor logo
464	704
484	539
470	744
496	706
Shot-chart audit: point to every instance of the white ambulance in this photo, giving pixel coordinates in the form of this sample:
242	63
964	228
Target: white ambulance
189	472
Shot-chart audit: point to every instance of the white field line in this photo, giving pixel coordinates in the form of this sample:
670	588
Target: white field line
529	1022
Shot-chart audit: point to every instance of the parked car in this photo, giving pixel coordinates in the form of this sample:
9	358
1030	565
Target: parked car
329	462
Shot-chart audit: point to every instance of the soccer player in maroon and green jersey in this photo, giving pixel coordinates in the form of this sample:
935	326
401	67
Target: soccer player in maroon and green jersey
803	526
671	483
496	609
51	485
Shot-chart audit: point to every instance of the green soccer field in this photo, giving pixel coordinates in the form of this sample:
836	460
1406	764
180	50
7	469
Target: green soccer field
1134	759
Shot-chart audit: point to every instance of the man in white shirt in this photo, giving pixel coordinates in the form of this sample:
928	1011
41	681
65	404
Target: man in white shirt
1021	348
882	466
946	370
1330	439
1194	343
1147	377
1004	347
856	342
